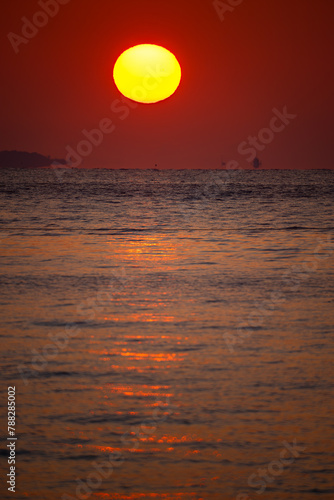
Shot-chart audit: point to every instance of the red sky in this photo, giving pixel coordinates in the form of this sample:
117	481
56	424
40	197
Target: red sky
264	54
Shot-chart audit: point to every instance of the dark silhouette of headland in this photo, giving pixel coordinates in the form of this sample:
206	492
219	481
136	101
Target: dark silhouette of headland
22	159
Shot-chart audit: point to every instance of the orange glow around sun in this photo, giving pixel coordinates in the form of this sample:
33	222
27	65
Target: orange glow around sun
147	73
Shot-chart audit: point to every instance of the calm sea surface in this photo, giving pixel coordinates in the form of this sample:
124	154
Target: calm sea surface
169	333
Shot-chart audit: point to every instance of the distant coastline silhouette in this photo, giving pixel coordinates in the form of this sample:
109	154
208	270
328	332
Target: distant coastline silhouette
23	159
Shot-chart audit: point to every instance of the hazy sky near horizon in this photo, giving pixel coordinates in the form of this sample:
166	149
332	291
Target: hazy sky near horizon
237	67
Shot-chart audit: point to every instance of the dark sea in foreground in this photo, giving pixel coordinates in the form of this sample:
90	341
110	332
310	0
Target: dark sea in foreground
169	333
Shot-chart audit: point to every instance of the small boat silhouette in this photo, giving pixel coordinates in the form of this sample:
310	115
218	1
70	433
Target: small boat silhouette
256	162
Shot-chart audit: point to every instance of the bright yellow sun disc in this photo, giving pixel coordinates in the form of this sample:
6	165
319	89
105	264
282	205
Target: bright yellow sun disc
147	73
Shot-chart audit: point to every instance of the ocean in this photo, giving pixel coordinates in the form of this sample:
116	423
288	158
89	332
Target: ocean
167	334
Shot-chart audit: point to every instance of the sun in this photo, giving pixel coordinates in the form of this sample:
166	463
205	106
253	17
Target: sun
147	73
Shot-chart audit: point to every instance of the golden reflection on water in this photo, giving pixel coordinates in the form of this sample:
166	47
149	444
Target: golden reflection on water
159	339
